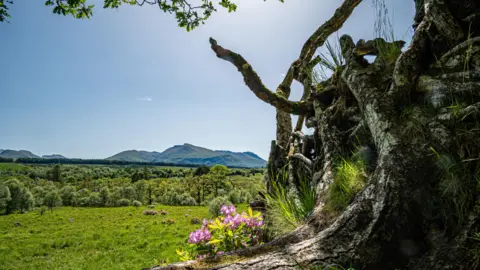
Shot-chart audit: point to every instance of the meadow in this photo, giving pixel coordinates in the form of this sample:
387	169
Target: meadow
95	238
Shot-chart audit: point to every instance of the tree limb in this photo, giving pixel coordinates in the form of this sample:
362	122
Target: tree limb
253	81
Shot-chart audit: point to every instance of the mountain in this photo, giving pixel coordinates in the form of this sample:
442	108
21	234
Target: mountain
17	154
193	155
135	156
54	156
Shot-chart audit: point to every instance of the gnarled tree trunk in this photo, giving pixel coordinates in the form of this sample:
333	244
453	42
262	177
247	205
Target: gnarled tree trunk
413	213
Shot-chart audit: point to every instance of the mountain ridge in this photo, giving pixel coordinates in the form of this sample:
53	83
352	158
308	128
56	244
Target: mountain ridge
192	155
184	154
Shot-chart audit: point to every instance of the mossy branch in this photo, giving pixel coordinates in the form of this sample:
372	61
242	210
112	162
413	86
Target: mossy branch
253	81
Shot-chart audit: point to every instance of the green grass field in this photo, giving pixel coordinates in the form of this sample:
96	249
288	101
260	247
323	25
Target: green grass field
94	238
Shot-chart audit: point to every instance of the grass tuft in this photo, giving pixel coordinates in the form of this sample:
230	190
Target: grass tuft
285	213
350	178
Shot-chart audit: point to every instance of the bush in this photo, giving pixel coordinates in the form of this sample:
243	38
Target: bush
228	232
195	221
215	205
168	221
123	202
163	212
94	199
150	212
151	206
136	203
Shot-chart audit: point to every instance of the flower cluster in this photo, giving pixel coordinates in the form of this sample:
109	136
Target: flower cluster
226	233
200	235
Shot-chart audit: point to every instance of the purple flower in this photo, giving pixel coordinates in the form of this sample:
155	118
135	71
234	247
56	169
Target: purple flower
205	223
227	210
199	235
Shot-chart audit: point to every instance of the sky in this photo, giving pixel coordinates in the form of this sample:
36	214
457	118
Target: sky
132	79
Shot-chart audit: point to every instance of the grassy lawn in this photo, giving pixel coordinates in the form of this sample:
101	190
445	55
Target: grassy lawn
94	238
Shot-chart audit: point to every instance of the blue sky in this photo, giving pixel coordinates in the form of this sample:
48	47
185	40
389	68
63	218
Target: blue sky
132	79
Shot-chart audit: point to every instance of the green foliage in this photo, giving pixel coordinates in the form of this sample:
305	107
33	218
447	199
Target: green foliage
68	195
215	205
136	203
123	202
52	199
4	197
330	62
188	16
21	198
228	232
285	212
350	178
455	190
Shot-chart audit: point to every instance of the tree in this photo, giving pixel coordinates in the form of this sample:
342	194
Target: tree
4	197
140	188
27	201
55	174
218	175
150	190
105	196
188	16
414	114
52	199
20	198
67	194
202	170
129	193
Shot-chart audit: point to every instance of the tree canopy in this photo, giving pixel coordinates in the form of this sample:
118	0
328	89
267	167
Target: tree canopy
188	15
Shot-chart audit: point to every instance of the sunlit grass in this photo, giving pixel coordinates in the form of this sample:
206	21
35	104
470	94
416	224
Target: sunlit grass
94	238
350	178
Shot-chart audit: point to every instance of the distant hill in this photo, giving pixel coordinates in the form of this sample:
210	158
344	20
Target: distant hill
191	154
17	154
186	154
54	156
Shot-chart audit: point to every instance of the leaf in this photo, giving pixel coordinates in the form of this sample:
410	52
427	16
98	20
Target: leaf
214	241
250	213
230	233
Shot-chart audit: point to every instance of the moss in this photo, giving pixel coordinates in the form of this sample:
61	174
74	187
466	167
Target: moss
217	261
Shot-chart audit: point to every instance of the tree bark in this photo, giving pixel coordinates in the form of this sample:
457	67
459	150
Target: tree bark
415	212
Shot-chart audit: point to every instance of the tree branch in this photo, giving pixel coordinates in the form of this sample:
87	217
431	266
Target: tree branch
253	81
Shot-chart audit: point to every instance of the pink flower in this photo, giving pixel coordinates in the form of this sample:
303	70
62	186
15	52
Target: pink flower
199	235
227	210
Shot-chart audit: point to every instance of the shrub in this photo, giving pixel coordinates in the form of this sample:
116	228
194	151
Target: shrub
226	233
195	221
123	202
168	221
150	212
136	203
215	205
151	206
94	199
164	212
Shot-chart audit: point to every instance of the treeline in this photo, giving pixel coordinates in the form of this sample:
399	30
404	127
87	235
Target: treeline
62	186
77	161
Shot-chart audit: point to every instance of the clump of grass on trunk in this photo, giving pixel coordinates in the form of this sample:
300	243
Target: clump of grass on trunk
284	211
350	178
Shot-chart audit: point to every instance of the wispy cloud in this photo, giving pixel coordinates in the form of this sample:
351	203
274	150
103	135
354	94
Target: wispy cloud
145	99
